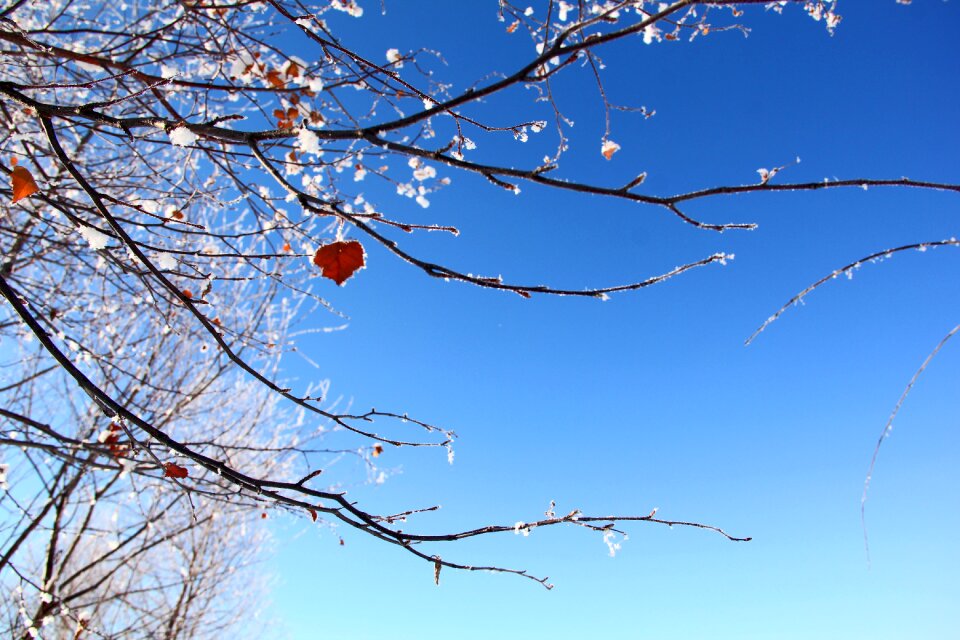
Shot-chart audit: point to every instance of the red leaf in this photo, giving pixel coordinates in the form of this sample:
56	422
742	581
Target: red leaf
263	516
313	514
273	77
339	260
23	183
172	470
111	438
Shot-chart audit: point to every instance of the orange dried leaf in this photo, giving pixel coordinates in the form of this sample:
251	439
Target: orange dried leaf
23	183
263	516
273	77
172	470
339	260
609	148
513	27
187	294
287	248
377	450
293	70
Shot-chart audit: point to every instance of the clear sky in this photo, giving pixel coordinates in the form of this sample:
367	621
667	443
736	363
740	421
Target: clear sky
651	399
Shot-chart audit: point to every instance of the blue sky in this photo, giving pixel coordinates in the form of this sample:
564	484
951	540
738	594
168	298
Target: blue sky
651	399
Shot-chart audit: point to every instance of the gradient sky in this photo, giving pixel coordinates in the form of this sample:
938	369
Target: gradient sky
651	399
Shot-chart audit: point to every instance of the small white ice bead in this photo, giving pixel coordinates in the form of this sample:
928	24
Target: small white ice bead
423	202
96	239
428	103
308	142
348	6
166	261
182	136
650	34
424	172
612	547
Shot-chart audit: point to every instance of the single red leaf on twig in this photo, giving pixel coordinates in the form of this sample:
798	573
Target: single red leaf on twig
339	260
172	470
23	183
